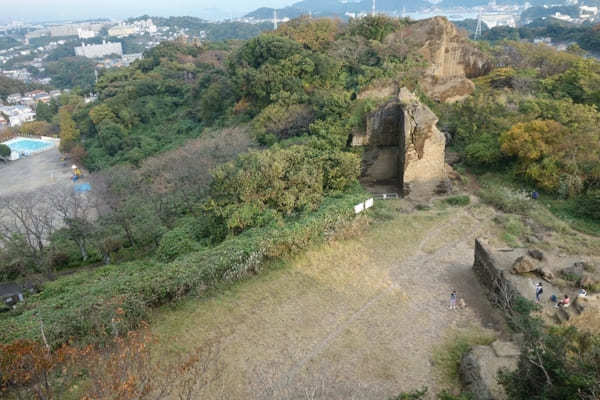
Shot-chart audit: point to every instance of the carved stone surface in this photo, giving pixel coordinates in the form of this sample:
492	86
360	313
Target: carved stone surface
403	144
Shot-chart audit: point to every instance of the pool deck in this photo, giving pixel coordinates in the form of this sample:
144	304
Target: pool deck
52	142
33	172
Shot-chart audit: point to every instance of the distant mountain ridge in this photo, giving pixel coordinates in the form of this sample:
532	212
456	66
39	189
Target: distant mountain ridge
326	8
334	7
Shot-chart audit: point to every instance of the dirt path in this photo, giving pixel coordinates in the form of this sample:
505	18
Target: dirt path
356	319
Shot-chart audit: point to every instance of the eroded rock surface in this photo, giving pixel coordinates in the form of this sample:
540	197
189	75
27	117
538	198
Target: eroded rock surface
404	145
451	58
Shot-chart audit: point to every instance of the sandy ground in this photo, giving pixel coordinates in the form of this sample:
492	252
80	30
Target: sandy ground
352	319
33	172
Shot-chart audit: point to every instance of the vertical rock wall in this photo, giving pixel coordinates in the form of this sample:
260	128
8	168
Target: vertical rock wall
403	145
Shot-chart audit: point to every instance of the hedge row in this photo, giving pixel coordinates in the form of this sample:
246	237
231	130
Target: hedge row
94	305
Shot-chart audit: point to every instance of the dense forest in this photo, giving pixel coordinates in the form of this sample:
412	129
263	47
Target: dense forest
210	159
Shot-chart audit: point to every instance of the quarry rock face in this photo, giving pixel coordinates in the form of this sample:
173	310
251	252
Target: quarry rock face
404	146
451	58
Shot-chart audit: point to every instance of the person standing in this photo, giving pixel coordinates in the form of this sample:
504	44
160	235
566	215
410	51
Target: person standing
453	300
538	292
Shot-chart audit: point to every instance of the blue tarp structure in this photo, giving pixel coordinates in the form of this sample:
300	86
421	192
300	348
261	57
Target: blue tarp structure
82	187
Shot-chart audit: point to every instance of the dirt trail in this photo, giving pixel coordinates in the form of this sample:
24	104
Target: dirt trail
357	319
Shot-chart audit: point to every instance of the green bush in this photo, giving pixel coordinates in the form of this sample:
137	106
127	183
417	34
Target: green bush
4	150
92	306
175	243
505	199
458	201
588	204
414	395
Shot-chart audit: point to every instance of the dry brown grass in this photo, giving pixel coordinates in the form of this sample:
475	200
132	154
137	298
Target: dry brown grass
337	315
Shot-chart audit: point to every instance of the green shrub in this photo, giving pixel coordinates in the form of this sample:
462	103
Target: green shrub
92	306
458	201
174	244
505	199
4	150
588	204
414	395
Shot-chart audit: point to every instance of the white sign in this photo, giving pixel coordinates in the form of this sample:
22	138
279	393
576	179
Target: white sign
359	207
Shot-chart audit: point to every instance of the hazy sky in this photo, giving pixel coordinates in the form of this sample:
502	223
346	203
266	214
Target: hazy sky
67	9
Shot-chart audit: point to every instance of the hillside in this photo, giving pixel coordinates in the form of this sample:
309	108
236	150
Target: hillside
224	179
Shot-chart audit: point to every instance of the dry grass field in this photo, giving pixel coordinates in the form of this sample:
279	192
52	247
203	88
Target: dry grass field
359	318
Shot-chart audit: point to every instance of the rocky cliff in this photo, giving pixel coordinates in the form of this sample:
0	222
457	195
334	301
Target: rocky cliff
403	144
451	58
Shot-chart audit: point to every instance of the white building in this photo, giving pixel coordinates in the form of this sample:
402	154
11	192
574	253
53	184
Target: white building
17	115
99	50
129	58
492	20
135	28
85	34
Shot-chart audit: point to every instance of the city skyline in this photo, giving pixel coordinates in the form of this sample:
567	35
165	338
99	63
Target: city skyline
62	10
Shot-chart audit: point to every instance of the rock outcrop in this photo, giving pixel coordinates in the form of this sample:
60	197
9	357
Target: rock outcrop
404	146
479	369
524	264
451	58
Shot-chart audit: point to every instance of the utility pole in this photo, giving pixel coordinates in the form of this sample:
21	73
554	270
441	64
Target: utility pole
373	9
478	29
274	19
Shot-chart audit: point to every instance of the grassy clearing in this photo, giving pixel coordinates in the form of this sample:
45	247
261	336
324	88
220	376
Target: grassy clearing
447	356
514	230
269	322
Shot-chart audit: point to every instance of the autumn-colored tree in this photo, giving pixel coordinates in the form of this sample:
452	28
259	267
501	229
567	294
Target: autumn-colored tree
315	34
102	112
535	145
37	128
69	134
124	369
26	368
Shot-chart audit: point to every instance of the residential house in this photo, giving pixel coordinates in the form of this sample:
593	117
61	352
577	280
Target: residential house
43	97
14	98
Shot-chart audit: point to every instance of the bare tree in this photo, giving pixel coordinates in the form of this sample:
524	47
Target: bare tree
31	217
77	212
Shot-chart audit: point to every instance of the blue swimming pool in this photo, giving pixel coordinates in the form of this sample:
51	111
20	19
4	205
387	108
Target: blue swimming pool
28	146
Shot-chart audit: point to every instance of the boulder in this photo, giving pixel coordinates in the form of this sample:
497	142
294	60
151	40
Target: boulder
479	369
589	281
506	349
584	304
545	273
524	264
535	253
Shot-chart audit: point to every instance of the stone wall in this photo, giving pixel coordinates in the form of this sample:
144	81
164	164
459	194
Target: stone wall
492	276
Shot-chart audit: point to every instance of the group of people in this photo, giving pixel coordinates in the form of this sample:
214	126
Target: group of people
539	290
564	302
